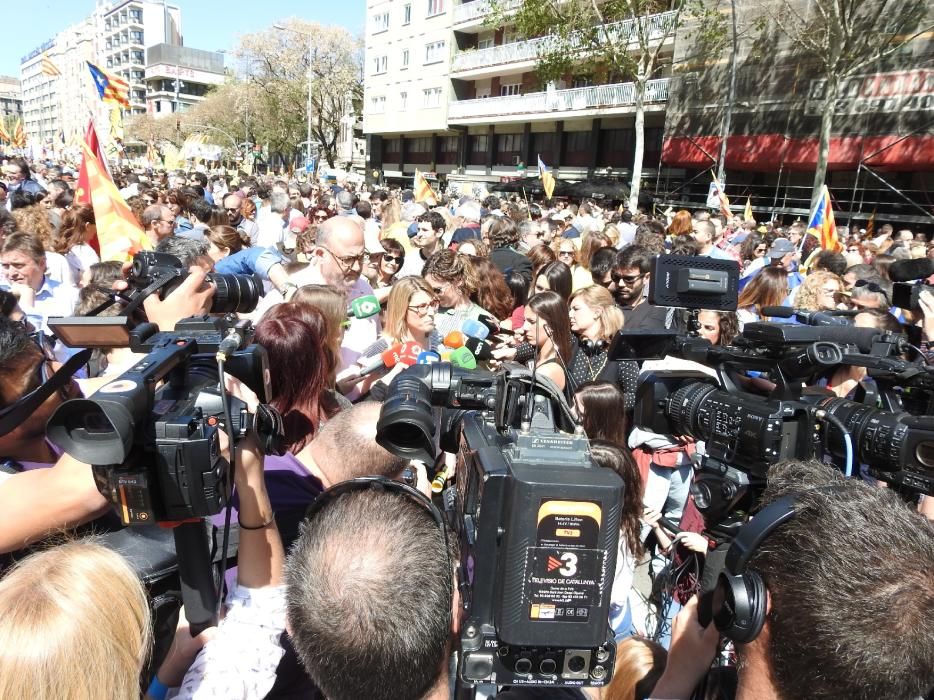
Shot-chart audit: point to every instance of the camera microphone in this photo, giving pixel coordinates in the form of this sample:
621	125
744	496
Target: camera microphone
910	270
404	353
363	307
462	357
829	317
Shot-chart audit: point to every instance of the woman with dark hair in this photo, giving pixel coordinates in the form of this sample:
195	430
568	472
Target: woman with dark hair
548	330
383	267
519	288
719	327
616	456
540	256
601	408
554	277
768	287
294	337
753	247
77	229
492	292
177	202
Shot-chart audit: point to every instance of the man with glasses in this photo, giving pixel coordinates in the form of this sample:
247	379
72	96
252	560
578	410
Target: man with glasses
158	223
232	204
630	287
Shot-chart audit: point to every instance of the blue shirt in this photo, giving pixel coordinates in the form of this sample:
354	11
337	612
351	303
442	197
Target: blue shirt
249	261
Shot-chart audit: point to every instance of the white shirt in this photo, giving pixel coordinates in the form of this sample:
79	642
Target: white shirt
80	258
52	299
271	230
57	268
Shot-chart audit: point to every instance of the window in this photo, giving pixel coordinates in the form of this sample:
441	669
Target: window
379	64
449	144
403	101
434	52
435	7
407	14
479	144
581	82
485	44
405	58
509	142
380	22
578	140
419	145
510	89
378	104
431	97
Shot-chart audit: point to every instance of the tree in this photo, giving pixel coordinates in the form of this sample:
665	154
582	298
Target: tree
617	38
843	38
281	61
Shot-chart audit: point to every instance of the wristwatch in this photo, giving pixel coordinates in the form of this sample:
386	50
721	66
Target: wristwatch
288	290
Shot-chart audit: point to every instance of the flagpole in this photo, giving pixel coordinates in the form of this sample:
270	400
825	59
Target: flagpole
528	204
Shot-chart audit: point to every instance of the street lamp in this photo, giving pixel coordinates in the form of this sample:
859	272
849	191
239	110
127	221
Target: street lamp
310	37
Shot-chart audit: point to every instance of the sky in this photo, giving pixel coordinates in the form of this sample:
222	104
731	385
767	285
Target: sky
205	25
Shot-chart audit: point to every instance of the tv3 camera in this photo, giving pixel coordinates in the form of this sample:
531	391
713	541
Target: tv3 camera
536	520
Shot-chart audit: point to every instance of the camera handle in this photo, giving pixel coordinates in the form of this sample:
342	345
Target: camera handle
196	573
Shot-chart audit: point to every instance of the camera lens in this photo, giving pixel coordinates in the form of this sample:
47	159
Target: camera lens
406	423
235	293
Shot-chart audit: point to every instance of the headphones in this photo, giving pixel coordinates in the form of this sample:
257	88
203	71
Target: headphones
740	599
592	347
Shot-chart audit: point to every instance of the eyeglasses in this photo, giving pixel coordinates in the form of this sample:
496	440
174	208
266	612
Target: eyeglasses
423	309
167	221
321	217
394	259
232	210
628	279
565	253
348	261
440	290
760	251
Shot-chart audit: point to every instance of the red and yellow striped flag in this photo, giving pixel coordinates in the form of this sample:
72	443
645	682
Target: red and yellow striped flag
19	136
119	234
49	68
423	191
4	134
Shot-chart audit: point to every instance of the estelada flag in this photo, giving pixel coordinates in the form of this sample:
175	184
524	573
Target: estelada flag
822	225
111	88
423	191
548	179
119	234
724	200
83	189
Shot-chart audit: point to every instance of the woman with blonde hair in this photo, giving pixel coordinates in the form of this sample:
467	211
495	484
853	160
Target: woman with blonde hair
595	320
333	307
567	252
453	281
74	623
820	291
592	242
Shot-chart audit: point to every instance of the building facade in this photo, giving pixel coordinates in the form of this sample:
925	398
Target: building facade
178	77
11	99
128	29
447	94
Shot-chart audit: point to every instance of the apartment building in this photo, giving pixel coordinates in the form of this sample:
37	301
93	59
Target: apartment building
128	29
178	77
57	104
11	98
451	96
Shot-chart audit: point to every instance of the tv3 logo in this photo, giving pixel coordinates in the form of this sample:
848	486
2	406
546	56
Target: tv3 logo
566	565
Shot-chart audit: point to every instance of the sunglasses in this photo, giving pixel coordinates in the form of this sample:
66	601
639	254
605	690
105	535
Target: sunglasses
232	210
627	279
395	259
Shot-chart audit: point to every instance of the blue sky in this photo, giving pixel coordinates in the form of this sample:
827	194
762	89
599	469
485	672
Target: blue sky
205	25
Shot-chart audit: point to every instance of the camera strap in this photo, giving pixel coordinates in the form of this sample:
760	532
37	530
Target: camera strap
17	412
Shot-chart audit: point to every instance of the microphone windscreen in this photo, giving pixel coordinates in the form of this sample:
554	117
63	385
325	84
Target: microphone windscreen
778	311
475	329
454	339
909	270
408	354
481	349
428	357
364	307
462	357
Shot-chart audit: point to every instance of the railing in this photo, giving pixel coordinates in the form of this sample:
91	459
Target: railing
576	99
652	27
469	11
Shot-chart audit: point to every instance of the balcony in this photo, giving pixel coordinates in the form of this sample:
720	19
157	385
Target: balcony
655	27
584	100
473	11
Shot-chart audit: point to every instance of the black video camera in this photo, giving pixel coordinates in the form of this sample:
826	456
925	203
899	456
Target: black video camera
537	522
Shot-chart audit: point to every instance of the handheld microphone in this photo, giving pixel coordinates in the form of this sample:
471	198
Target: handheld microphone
481	349
491	323
363	307
408	354
386	359
475	329
454	340
909	270
428	357
462	357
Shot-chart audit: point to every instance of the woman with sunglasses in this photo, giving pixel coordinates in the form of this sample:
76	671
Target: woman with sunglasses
383	267
410	318
567	253
753	247
820	291
453	280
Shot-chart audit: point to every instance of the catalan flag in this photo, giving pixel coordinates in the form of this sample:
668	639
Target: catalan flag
4	134
724	200
49	68
19	136
548	179
423	191
119	234
822	225
112	89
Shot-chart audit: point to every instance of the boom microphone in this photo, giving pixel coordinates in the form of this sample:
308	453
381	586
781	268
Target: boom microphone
785	334
363	307
830	317
909	270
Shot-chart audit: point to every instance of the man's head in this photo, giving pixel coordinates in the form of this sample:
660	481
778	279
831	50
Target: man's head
871	292
705	233
339	251
345	202
430	229
631	274
850	591
782	252
232	204
158	222
22	258
279	204
503	232
16	171
189	251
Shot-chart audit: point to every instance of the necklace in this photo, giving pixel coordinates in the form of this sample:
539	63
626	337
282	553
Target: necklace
593	373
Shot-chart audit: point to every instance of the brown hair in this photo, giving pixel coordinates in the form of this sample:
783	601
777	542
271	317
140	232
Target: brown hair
248	209
554	311
35	220
492	291
23	242
769	287
395	328
75	222
682	224
228	237
540	256
593	241
450	267
333	306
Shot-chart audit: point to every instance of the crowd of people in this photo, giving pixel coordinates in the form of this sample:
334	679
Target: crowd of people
365	604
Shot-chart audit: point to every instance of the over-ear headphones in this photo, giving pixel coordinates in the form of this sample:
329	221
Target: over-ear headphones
739	598
592	347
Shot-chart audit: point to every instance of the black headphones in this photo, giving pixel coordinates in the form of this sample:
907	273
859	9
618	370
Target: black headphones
592	347
740	600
